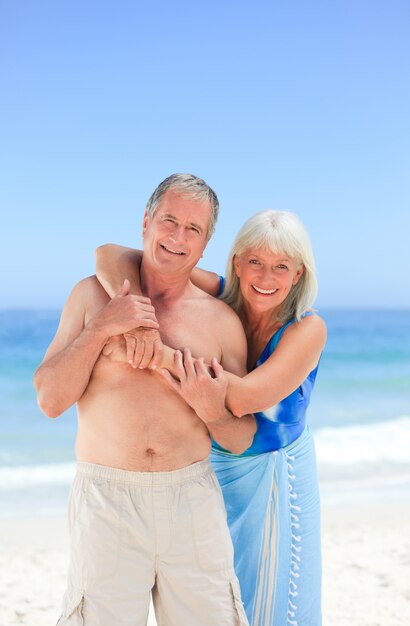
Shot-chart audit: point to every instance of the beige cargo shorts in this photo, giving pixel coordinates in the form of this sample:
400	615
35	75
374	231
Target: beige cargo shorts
134	534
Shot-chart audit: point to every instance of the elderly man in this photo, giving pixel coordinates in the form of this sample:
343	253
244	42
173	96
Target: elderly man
146	512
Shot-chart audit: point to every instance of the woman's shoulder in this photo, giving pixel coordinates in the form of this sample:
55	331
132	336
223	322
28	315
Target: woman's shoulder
310	324
312	317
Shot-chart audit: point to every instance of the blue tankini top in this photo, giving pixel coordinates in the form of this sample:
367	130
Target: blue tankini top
284	422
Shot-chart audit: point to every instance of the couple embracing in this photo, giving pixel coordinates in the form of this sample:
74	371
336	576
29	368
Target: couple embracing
196	478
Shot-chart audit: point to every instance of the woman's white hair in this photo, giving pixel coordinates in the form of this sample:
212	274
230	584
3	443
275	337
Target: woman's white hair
278	232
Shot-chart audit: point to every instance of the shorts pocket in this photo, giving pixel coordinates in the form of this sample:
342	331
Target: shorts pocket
95	534
72	614
241	618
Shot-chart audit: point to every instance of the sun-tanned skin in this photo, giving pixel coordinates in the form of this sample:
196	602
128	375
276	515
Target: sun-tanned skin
130	418
293	359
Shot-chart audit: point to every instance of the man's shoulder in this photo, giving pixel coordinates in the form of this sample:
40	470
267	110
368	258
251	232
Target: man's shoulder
227	322
217	305
88	297
87	290
227	312
89	282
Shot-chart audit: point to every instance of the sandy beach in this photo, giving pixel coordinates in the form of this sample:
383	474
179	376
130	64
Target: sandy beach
366	558
366	564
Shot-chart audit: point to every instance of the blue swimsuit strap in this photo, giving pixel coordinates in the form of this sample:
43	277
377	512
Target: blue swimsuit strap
221	286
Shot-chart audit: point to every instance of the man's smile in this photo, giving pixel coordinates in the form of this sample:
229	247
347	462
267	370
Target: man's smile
171	250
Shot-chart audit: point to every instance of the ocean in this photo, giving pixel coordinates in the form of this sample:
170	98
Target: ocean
360	412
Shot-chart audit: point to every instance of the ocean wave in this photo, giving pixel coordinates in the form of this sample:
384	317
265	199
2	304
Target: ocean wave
379	449
27	476
380	442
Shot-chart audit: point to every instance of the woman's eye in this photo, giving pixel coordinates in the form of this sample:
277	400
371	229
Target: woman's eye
253	261
282	267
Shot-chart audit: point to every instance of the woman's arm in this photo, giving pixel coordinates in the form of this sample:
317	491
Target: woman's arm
207	281
144	347
116	349
114	263
295	356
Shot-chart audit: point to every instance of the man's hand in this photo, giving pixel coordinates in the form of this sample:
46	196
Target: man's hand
124	313
144	348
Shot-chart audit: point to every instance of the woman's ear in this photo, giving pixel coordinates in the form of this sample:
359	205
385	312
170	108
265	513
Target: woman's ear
298	275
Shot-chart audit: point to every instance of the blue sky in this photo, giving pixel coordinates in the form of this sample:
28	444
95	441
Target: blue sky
301	106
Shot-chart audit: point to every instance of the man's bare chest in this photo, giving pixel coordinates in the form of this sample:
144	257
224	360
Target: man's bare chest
194	329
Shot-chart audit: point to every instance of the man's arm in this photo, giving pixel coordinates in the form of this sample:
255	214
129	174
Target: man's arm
114	349
67	366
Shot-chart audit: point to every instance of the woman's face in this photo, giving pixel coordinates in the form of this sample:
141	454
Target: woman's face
266	278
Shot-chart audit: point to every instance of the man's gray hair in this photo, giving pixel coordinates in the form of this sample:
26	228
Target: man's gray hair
188	185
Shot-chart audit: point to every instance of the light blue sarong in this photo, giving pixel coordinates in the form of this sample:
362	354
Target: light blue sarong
271	495
272	502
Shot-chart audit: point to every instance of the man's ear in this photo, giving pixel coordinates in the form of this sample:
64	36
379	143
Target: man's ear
145	222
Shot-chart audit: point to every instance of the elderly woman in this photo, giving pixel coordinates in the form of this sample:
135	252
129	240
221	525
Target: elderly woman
271	490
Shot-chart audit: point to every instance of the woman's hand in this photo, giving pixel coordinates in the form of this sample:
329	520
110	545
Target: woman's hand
196	385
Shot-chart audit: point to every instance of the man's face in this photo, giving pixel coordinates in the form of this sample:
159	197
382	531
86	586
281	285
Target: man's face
176	236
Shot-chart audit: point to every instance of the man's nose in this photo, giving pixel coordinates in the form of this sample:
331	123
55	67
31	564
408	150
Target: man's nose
178	233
